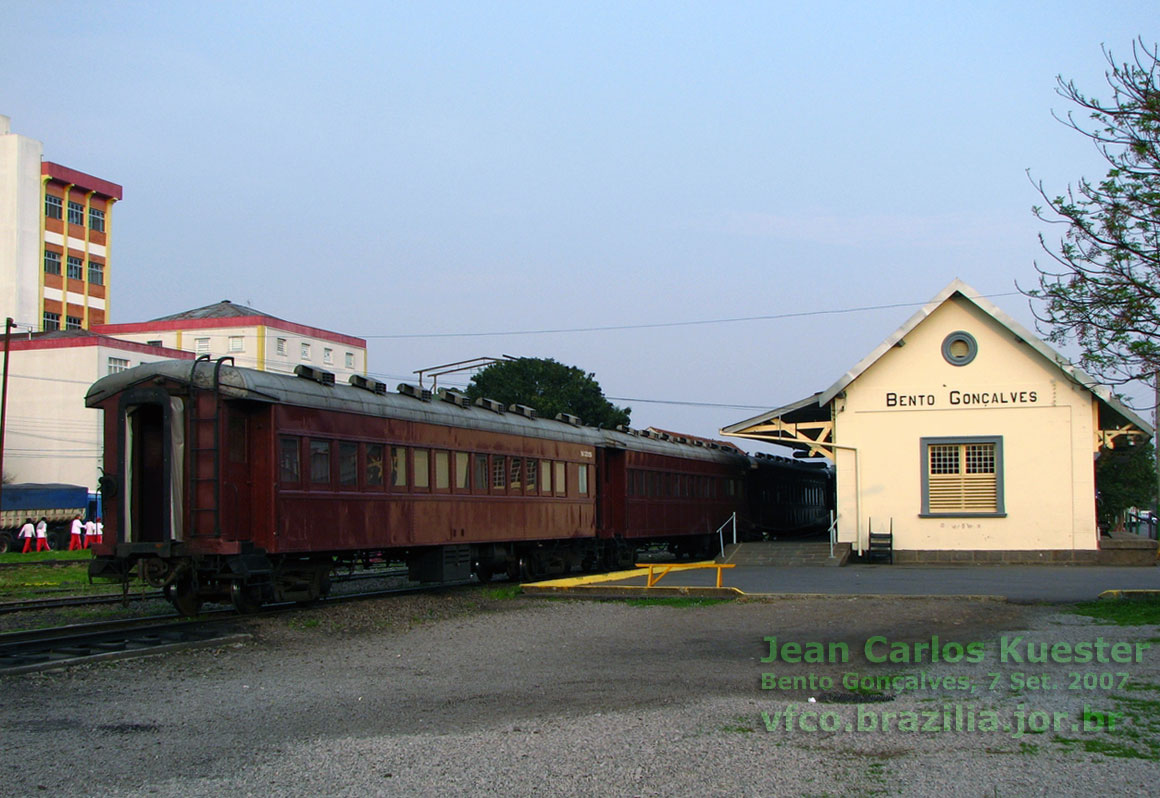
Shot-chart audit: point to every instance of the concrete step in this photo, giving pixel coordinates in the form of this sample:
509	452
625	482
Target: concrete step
786	554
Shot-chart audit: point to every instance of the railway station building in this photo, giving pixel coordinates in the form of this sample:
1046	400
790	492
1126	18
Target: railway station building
963	437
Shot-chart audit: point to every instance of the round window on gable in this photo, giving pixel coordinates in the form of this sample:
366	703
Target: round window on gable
959	348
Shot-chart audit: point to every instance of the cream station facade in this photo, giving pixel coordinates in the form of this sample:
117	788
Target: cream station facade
965	436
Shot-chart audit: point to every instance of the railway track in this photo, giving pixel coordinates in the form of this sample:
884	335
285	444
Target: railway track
60	602
66	646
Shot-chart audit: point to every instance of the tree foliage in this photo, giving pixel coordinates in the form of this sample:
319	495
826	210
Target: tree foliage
1103	290
1125	477
550	388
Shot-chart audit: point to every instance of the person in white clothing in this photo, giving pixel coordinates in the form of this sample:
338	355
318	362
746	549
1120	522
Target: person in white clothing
76	534
90	533
42	534
28	532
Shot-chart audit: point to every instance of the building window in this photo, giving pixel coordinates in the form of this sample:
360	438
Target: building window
51	321
305	351
962	476
327	355
53	207
51	262
76	268
280	346
959	348
201	346
96	220
153	343
72	322
117	364
96	273
350	360
76	213
582	481
236	343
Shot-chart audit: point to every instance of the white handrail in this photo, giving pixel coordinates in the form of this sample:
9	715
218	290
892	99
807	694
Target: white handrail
721	531
833	532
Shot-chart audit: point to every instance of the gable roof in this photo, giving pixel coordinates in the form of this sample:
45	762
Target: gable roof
955	288
219	310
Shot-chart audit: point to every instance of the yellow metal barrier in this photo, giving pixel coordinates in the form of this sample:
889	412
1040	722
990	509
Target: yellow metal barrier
665	567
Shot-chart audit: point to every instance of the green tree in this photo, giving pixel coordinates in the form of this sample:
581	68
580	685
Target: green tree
549	387
1103	290
1125	477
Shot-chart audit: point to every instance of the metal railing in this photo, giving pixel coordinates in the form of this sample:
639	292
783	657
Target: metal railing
721	531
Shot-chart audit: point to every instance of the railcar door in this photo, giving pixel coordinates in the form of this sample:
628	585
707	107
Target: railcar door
151	466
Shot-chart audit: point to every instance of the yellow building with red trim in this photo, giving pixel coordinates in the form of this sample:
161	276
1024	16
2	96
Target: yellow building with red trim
963	436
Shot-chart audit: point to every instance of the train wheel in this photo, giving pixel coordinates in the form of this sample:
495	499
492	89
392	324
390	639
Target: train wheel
246	600
183	596
483	574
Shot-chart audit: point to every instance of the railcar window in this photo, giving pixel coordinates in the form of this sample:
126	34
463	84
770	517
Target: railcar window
546	477
461	461
374	465
422	471
560	482
398	467
481	473
319	461
531	468
517	464
442	470
288	459
347	463
582	481
498	472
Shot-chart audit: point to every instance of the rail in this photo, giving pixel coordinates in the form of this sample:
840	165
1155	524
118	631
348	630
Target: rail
665	567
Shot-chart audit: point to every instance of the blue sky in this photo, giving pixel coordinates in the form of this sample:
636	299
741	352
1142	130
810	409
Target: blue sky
401	169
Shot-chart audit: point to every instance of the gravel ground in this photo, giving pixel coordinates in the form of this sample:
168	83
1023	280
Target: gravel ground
464	693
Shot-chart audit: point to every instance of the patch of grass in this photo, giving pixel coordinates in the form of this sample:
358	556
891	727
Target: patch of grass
502	592
1028	748
1122	612
45	556
41	579
675	601
739	725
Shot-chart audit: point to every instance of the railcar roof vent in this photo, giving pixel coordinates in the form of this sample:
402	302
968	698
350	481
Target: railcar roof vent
698	442
414	392
568	418
314	375
627	430
454	397
523	410
644	433
490	404
374	386
664	436
682	439
714	446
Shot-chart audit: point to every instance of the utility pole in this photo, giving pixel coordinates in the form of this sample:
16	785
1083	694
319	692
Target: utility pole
8	325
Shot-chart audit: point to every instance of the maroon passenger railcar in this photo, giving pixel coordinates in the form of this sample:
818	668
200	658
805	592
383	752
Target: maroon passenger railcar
224	483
